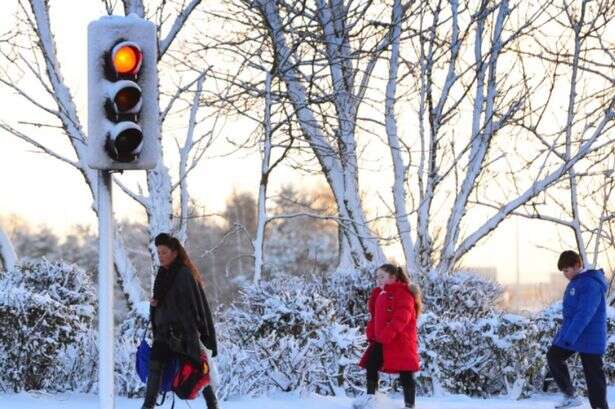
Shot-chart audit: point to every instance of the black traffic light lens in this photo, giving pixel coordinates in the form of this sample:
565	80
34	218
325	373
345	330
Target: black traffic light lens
128	140
127	144
127	98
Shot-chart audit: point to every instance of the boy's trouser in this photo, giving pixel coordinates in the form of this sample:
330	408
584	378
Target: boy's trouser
406	378
592	368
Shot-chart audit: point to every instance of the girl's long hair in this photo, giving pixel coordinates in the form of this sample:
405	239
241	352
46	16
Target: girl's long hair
165	239
400	275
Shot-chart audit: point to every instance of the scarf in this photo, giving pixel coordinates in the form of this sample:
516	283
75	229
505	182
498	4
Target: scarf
164	280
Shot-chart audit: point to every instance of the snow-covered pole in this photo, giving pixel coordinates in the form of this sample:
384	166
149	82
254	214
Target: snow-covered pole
123	134
105	291
8	256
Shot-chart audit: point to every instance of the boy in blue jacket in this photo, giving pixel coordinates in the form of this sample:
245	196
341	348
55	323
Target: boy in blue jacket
583	331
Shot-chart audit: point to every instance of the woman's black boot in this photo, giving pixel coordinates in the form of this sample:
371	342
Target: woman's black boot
409	386
154	379
210	397
372	386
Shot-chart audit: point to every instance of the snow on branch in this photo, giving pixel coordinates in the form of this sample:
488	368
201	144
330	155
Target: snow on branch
134	7
537	186
42	147
179	22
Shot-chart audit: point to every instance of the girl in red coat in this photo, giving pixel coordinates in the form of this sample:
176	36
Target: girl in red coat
391	332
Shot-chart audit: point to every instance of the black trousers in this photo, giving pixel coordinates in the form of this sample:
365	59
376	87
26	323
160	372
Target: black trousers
161	356
592	369
406	378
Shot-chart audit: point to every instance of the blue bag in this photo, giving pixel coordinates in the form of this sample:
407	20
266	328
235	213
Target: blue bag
144	351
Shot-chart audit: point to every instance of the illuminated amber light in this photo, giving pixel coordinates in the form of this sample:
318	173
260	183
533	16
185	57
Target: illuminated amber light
126	60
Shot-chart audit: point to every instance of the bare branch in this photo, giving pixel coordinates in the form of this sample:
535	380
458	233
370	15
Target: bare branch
179	22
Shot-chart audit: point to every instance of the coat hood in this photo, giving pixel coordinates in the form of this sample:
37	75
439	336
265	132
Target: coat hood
597	275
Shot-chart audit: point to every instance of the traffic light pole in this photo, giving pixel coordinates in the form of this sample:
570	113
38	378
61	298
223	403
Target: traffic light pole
123	134
105	292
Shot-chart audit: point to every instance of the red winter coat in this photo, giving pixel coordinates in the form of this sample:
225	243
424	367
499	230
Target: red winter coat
393	324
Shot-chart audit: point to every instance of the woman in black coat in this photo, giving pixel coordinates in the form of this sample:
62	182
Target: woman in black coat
180	316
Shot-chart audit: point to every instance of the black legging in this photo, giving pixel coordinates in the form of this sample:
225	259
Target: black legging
374	363
160	357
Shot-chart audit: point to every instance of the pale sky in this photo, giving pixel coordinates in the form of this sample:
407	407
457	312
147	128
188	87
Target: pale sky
43	190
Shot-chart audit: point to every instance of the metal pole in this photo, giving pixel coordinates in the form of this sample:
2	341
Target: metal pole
105	292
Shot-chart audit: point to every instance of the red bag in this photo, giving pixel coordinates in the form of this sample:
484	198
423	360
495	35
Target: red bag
191	379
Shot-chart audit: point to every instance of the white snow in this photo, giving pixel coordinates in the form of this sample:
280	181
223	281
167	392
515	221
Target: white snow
282	401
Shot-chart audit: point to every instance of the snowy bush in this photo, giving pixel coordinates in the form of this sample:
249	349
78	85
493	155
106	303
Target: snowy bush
496	354
477	357
307	333
46	316
129	335
49	306
293	333
286	334
64	283
459	295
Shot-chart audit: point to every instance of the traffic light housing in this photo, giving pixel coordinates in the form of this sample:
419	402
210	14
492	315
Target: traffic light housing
123	112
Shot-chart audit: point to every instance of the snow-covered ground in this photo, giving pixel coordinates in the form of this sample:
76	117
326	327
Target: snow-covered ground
280	401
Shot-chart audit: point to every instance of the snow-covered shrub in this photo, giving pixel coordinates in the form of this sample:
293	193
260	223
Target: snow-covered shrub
483	357
609	356
290	336
46	316
306	333
129	335
50	307
496	354
469	346
65	283
239	371
459	295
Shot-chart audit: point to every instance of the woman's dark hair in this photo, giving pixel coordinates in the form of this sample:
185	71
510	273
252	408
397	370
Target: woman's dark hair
567	259
165	239
400	275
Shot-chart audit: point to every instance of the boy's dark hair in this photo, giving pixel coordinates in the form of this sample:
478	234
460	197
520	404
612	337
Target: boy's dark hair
567	259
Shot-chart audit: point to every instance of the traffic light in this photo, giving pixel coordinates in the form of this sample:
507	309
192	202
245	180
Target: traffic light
123	124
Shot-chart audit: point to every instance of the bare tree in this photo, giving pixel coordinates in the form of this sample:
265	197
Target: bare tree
581	201
324	56
259	242
455	165
462	57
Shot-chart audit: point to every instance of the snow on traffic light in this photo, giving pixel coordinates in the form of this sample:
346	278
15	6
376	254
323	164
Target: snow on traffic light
123	124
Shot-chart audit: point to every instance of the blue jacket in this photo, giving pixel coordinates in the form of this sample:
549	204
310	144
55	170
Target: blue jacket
584	310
